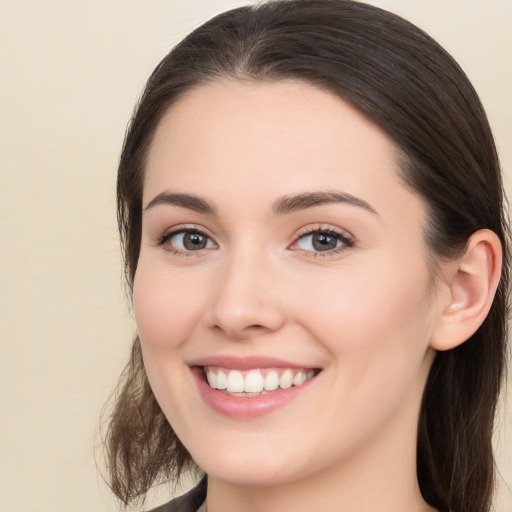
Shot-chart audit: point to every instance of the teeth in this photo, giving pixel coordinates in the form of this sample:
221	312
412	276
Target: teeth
235	383
271	381
222	380
299	378
254	381
212	379
286	380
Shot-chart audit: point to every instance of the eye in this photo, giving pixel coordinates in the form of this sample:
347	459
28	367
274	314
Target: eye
186	240
323	240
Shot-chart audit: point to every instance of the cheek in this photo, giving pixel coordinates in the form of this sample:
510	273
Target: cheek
372	320
166	312
166	308
375	327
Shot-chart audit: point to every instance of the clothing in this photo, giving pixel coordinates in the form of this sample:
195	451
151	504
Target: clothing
194	501
188	502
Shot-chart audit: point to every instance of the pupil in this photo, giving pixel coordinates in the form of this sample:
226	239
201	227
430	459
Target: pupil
194	241
323	242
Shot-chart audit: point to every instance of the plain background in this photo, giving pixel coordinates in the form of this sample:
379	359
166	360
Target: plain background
70	74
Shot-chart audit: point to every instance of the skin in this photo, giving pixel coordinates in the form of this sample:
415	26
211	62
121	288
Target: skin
364	314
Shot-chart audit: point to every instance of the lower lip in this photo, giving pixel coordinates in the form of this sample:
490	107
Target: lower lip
246	407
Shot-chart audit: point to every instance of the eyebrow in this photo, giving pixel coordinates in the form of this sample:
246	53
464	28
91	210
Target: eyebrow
190	201
289	204
282	206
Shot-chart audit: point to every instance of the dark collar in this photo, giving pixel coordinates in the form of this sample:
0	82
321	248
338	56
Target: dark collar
188	502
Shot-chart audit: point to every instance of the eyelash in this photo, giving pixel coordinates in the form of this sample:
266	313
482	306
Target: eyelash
162	240
346	241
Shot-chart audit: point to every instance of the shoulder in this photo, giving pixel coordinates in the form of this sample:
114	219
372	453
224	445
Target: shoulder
188	502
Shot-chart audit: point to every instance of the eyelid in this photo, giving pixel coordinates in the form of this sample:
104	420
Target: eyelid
323	227
347	239
160	240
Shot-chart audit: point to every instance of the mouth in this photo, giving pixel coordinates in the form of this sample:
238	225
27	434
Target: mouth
257	381
245	388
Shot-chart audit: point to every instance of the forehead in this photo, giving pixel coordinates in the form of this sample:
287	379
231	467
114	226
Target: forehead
269	140
256	113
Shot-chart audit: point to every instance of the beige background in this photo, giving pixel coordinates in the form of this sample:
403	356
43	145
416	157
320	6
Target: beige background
70	73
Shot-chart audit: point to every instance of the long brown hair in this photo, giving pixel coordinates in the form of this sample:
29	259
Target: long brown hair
404	82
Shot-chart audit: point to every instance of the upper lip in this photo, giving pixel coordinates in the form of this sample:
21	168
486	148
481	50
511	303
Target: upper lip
247	363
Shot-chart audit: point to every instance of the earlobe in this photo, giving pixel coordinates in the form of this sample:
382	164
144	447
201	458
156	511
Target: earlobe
471	283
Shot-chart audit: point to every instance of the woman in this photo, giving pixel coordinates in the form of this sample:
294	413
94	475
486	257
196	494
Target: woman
311	210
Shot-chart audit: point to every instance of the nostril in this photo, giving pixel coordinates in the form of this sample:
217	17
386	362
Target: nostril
240	309
243	332
254	330
256	327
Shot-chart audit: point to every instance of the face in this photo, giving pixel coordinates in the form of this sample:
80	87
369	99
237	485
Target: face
282	296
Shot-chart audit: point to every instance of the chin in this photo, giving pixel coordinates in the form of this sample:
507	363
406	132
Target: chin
250	468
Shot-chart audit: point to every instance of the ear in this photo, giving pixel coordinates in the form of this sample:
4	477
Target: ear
467	290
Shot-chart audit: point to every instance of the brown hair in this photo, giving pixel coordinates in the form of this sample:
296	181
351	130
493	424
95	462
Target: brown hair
404	82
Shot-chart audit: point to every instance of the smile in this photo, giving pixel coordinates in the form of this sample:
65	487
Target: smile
255	382
245	388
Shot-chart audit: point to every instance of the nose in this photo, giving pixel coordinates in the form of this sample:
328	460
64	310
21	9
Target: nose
244	303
